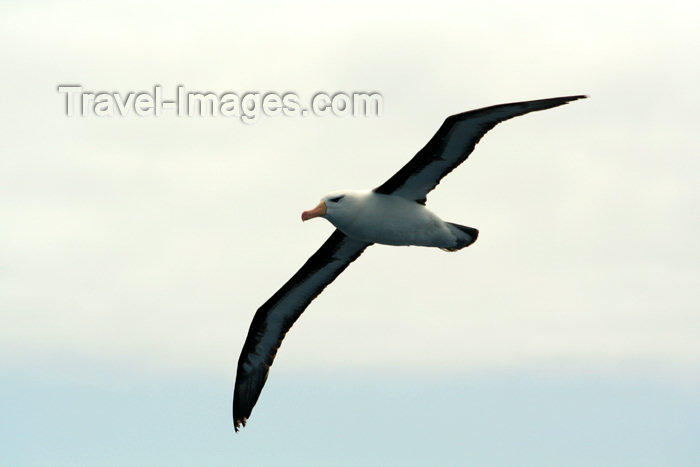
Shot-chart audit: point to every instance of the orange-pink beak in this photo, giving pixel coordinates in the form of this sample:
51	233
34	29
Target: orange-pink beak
318	211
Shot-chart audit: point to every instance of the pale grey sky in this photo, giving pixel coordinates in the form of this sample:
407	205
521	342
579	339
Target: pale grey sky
147	244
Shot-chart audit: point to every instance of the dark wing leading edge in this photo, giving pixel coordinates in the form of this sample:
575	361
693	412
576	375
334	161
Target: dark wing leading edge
453	143
274	318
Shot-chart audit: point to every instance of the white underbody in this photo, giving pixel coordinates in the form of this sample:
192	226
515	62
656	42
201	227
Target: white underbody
393	220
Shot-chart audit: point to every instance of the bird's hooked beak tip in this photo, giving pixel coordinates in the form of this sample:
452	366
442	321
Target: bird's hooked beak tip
318	211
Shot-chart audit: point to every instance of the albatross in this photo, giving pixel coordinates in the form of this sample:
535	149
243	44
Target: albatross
394	213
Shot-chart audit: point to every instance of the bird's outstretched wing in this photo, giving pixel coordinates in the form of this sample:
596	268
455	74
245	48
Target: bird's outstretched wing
453	143
274	318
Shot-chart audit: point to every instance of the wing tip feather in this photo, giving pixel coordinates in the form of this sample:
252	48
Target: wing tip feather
239	423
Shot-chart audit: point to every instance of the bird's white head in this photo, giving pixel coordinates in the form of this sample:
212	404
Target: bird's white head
339	204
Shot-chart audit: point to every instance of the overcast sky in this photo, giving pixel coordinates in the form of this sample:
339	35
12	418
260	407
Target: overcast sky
143	246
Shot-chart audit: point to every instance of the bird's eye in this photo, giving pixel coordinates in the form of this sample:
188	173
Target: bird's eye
336	199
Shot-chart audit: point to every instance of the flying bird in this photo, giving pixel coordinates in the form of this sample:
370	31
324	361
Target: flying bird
394	213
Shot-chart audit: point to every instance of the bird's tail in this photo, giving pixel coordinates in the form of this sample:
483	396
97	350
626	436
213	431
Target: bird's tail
465	236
